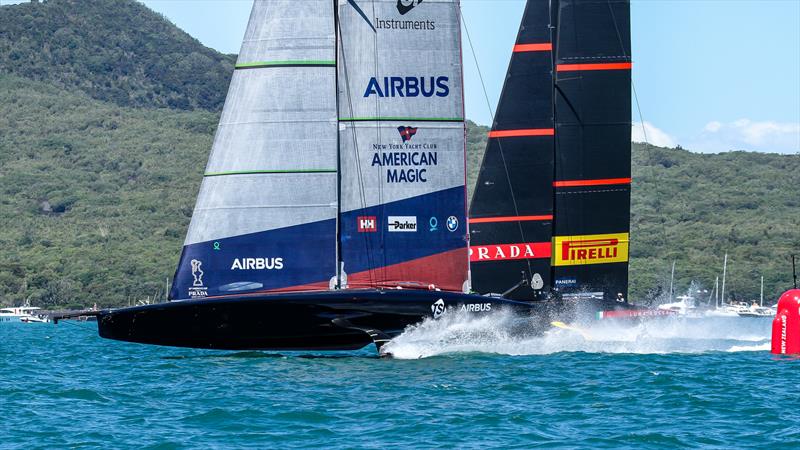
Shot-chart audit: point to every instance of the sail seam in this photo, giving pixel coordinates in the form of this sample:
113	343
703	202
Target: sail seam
524	48
265	64
400	119
587	67
511	219
260	172
522	133
601	182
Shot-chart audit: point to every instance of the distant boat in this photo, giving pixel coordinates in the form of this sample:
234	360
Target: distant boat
333	213
758	309
24	314
685	306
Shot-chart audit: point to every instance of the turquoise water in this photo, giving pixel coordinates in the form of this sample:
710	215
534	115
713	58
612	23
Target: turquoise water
455	383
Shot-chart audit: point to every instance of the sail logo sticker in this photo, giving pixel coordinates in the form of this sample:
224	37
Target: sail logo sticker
367	224
438	308
408	87
590	249
452	223
402	224
477	307
405	6
197	273
197	290
434	224
406	133
566	282
257	264
509	252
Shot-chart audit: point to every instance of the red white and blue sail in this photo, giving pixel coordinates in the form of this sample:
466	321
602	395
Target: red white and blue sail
339	157
402	144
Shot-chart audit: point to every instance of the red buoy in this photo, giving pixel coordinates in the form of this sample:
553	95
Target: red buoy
786	326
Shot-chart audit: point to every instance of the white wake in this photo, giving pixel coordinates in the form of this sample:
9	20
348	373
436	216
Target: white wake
499	333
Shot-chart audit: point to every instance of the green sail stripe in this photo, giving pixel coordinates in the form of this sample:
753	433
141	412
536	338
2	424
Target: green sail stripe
254	65
401	119
260	172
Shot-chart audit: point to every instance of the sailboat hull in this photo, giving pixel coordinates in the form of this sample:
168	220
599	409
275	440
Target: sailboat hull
338	320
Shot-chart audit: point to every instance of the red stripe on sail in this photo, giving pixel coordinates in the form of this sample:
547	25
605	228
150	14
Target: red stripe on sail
511	219
603	182
510	252
599	66
522	48
522	133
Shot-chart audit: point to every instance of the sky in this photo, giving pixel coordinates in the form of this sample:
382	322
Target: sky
710	75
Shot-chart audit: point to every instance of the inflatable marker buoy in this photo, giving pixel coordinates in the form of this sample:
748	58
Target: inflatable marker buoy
786	326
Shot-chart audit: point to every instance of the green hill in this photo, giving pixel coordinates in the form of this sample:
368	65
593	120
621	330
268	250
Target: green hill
113	50
96	190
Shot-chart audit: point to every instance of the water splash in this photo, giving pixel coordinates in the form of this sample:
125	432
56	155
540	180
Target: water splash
500	333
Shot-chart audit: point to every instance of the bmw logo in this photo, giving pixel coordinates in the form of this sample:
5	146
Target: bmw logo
452	223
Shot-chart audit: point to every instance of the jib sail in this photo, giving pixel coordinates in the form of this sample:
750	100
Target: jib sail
265	217
402	144
586	190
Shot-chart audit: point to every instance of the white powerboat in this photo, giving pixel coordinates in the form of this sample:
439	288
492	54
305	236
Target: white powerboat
24	314
685	306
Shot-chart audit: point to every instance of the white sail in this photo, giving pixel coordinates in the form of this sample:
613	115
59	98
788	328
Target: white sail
270	183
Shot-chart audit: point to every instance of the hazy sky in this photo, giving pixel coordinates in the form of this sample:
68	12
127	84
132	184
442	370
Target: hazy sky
711	75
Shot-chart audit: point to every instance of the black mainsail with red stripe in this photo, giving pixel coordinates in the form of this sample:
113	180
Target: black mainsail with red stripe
511	214
552	200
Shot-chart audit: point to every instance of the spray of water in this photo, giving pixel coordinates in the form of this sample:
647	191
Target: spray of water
500	333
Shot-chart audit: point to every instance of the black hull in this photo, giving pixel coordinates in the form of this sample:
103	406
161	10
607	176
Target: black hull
336	320
296	321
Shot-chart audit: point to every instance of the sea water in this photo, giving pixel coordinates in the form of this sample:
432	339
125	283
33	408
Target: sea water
459	381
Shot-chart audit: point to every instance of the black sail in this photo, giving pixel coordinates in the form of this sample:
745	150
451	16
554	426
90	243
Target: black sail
552	200
511	213
593	150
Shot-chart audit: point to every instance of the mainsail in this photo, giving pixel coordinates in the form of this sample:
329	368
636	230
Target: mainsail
402	144
552	201
339	157
511	213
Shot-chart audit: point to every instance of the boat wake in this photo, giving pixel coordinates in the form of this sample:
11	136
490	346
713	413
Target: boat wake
462	332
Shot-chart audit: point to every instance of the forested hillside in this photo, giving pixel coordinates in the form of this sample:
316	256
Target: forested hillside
118	51
100	163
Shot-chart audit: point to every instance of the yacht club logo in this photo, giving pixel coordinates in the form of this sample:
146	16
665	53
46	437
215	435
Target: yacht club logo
406	133
197	273
404	6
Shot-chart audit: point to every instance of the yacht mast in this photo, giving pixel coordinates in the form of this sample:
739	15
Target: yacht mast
724	274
